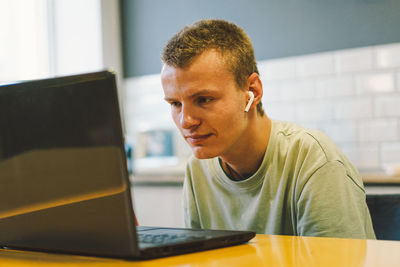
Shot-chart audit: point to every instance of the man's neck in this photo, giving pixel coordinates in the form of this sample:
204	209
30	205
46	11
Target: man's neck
244	162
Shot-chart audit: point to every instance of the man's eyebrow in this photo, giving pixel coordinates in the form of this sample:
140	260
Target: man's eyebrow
168	99
203	92
198	93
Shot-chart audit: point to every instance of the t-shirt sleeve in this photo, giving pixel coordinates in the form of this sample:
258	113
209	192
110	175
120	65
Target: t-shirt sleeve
190	213
332	204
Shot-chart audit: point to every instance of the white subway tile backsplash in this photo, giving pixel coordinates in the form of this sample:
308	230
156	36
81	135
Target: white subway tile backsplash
387	105
375	83
280	111
352	108
271	91
378	130
354	60
398	81
277	69
319	64
390	153
313	111
340	131
388	56
364	156
294	90
335	86
311	125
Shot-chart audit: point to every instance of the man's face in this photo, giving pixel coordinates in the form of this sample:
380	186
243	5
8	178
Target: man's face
206	105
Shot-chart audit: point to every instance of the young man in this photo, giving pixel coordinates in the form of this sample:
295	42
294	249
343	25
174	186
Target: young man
250	172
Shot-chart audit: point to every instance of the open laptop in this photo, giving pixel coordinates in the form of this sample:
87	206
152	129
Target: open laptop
64	185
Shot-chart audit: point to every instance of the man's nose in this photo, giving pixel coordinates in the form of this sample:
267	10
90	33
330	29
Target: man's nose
188	119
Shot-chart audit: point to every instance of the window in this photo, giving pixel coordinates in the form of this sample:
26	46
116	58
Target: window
24	42
45	38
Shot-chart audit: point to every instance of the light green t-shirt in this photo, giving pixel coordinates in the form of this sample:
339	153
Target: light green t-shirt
305	186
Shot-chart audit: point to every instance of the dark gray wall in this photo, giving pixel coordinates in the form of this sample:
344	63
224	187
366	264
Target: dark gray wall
278	28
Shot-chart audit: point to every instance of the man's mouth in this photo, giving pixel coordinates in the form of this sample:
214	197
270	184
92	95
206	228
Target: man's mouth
197	139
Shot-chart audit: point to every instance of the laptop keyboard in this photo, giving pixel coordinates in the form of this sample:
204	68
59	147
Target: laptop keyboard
165	238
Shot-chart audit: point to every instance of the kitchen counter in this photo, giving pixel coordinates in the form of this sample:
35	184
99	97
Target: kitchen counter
380	178
176	176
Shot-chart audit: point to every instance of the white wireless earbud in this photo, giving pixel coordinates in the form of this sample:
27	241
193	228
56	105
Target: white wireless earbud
247	108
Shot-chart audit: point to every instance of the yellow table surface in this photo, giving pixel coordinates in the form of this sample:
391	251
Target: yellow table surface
263	250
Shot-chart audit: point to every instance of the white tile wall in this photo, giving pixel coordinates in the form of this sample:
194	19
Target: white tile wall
334	86
353	95
313	65
354	60
381	82
297	90
390	152
343	131
283	111
272	91
388	56
387	105
378	130
363	155
352	108
314	110
278	69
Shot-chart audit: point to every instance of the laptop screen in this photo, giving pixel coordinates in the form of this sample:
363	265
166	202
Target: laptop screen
62	155
39	115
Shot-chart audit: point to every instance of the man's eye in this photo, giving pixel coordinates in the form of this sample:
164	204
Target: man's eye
204	100
175	104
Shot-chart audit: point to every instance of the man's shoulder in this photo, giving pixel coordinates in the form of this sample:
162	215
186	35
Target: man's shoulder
313	146
296	131
295	134
301	139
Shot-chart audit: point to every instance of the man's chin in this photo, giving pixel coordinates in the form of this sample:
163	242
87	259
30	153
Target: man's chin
202	153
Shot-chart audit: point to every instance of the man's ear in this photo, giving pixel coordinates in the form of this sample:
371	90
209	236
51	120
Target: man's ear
254	85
